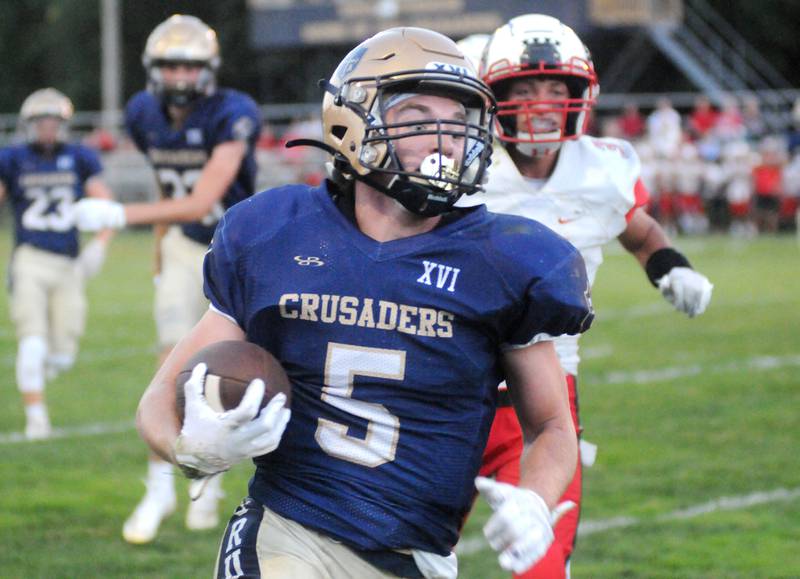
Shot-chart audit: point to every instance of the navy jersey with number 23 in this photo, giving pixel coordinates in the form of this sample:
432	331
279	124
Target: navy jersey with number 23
43	189
393	350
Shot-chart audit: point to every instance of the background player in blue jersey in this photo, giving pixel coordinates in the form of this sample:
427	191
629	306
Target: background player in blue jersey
395	316
43	178
200	140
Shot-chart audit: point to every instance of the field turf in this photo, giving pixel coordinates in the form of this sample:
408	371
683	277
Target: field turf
696	421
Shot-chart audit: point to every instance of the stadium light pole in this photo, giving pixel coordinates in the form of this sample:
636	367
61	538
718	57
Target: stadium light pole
111	64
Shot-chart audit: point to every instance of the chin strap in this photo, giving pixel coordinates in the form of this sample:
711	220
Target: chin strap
415	197
311	143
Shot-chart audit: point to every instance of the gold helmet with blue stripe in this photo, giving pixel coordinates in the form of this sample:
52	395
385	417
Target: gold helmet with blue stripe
186	40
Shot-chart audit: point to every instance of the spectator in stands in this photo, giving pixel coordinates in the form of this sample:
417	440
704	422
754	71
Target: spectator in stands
688	172
790	202
730	124
664	129
631	122
755	126
702	119
737	176
793	134
768	184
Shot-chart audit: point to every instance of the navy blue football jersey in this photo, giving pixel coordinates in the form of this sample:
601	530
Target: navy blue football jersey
393	350
178	155
42	189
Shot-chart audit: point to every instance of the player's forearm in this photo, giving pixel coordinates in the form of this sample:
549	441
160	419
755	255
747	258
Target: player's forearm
549	460
643	237
157	423
186	209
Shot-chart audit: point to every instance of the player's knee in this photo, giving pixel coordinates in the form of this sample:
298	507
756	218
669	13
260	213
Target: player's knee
31	355
56	363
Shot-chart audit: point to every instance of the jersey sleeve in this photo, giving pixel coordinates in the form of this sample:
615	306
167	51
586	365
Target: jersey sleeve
555	304
133	124
641	197
238	120
89	164
5	168
221	285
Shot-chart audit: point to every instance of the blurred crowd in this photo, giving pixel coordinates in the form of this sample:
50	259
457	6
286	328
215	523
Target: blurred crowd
715	168
708	169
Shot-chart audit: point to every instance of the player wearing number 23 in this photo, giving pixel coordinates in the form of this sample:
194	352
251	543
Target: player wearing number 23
395	316
43	179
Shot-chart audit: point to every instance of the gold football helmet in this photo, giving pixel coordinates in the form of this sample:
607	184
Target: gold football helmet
388	66
182	39
46	102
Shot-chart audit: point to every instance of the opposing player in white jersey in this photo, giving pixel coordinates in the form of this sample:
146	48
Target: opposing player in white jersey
586	189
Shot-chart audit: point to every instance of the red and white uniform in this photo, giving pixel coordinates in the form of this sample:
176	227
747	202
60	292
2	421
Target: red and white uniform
588	199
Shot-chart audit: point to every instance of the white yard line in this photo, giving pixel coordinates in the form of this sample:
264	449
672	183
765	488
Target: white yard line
98	355
476	543
659	307
752	364
96	429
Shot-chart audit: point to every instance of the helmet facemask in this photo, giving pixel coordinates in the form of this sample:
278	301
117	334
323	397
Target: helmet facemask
440	180
180	94
536	46
538	126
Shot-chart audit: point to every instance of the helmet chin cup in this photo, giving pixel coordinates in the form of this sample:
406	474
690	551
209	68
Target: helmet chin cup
422	200
540	145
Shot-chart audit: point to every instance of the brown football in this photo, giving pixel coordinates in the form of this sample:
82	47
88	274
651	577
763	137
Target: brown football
232	365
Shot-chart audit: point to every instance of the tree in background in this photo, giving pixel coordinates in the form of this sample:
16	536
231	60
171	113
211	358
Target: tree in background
57	43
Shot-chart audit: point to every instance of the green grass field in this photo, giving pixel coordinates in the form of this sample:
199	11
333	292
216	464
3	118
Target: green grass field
693	418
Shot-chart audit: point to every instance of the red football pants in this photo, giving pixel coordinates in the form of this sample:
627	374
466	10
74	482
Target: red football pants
501	459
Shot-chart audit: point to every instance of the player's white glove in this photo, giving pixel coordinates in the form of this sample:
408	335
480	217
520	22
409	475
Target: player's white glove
687	290
91	258
521	528
92	214
212	442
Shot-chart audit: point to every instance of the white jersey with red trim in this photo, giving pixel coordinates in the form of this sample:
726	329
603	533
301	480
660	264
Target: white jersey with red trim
586	200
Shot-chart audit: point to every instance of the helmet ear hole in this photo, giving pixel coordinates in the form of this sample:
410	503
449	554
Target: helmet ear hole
339	131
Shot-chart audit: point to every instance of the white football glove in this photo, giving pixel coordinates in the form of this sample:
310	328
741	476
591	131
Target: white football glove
521	528
212	442
687	290
92	214
91	258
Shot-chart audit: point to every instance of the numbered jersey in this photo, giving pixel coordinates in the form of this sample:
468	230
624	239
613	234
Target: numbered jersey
42	189
393	352
588	199
179	155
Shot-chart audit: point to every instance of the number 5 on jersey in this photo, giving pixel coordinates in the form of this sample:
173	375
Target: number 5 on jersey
343	363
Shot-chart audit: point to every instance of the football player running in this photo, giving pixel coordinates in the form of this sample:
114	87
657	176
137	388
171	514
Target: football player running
586	189
395	316
43	178
200	140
